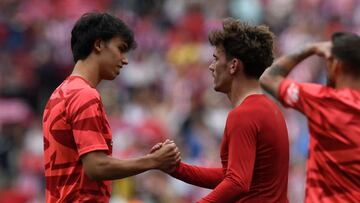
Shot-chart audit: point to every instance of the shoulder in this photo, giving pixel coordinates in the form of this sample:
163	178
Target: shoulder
80	95
251	109
254	104
291	91
289	85
77	88
84	97
88	93
243	119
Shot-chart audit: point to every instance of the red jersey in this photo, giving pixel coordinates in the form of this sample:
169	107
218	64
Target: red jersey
254	155
74	123
333	165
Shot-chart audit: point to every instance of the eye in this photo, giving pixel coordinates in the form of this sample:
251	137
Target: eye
215	58
122	49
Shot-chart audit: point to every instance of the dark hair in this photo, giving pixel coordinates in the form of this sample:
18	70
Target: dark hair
253	45
346	47
93	26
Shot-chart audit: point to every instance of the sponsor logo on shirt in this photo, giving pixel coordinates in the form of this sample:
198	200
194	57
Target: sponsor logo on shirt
292	94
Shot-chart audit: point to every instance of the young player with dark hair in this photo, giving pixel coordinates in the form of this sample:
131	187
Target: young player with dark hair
77	135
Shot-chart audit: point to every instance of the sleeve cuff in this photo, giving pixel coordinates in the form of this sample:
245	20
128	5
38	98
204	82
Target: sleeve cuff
93	148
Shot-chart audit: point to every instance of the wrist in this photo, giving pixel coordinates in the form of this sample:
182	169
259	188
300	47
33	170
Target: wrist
175	171
150	161
310	49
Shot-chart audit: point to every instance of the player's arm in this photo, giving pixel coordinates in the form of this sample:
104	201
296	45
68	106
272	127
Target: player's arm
240	131
278	71
199	176
99	166
195	175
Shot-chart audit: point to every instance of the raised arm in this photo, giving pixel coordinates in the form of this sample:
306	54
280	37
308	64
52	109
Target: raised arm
278	71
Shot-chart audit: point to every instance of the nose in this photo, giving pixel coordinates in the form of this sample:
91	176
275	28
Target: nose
211	67
125	61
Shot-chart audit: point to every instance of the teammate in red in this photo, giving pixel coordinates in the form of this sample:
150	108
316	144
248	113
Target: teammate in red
77	135
255	146
333	112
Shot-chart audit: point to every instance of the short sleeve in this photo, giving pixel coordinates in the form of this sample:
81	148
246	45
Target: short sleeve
305	97
88	122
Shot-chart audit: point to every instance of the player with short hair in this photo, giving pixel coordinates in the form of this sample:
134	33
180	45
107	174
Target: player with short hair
333	112
255	145
77	135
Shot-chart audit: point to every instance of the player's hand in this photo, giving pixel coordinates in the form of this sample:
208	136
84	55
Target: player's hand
159	145
166	156
172	168
322	49
156	147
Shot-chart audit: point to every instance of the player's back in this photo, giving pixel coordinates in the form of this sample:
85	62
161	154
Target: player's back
333	166
334	161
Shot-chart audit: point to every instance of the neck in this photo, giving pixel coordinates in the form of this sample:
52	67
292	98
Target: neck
347	81
87	70
242	88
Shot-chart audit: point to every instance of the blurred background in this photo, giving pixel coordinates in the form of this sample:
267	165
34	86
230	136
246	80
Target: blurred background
165	91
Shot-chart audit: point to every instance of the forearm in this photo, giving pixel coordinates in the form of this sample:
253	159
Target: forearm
226	191
280	69
99	166
109	168
284	65
199	176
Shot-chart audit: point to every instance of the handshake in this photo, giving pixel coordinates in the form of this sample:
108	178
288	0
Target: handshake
165	156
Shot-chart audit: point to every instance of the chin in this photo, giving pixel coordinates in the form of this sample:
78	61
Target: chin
218	89
112	77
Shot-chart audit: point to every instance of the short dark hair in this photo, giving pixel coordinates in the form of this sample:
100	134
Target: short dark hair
346	47
93	26
253	45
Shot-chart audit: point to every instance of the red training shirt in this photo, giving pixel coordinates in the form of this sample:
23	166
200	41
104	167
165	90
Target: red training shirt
333	165
74	123
254	155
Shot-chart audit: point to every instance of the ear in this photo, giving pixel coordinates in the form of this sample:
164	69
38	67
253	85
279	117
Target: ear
339	67
235	66
98	45
334	67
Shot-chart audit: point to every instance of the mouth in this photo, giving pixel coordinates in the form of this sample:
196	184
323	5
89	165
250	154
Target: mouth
118	69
